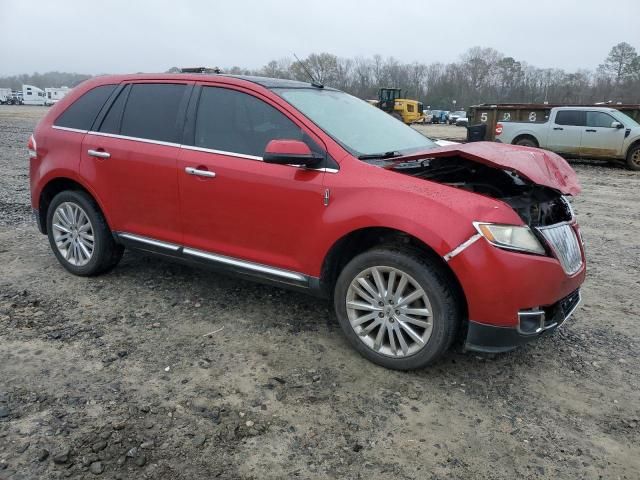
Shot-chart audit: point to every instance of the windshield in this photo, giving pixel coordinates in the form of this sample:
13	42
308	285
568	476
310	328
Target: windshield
626	120
358	126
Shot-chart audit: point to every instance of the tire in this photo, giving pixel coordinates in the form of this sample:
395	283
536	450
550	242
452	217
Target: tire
436	330
526	142
397	116
73	210
633	158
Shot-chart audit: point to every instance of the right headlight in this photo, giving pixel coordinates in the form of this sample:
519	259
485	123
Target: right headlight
512	237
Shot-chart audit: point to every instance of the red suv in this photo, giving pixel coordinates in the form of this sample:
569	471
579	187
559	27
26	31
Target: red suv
310	188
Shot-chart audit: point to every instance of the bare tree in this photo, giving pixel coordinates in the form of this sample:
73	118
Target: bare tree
620	61
482	75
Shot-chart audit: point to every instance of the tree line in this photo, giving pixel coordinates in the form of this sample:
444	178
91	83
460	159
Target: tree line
481	75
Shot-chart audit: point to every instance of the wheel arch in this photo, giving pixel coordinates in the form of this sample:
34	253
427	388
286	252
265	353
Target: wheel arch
634	143
55	186
363	239
522	136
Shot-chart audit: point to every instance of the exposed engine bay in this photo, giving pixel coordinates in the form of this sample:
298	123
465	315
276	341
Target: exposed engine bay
537	205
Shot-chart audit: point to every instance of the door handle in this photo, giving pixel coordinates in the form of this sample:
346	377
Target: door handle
558	128
199	173
590	130
99	153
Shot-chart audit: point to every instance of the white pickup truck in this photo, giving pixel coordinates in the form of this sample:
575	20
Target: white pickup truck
588	132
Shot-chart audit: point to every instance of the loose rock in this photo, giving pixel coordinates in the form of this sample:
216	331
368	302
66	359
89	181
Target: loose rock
96	468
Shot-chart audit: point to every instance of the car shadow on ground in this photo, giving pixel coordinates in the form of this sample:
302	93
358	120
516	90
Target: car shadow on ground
283	309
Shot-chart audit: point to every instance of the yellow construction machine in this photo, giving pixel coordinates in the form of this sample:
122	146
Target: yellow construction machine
404	109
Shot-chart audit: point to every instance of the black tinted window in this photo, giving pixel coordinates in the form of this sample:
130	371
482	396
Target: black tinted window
152	112
235	122
599	119
111	122
570	117
81	113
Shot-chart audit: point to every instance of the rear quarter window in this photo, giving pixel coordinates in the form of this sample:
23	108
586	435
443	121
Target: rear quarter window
81	113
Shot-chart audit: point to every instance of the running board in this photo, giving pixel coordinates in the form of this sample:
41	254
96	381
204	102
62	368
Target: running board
223	262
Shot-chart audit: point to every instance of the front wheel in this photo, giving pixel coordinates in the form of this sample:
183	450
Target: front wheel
397	309
633	158
79	235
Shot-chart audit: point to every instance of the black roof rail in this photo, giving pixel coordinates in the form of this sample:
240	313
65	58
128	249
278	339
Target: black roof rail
200	70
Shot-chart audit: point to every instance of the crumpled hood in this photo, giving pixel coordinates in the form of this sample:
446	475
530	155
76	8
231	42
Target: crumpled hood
539	166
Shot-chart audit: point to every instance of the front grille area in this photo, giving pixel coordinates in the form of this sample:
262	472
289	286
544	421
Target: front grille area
564	242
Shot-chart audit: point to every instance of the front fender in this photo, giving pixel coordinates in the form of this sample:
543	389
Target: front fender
632	140
440	216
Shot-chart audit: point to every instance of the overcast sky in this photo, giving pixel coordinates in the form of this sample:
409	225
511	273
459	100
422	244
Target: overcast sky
117	36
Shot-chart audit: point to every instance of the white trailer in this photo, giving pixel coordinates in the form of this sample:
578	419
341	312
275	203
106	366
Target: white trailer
5	95
32	95
53	95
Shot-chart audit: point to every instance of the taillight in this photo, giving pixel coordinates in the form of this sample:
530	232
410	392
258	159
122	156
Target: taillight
32	147
498	128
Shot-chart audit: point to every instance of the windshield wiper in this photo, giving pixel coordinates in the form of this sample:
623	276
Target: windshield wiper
371	156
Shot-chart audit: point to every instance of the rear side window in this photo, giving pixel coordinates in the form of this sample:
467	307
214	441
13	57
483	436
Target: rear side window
599	119
81	113
571	117
152	111
236	122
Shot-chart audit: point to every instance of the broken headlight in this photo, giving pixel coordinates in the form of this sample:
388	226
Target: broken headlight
511	237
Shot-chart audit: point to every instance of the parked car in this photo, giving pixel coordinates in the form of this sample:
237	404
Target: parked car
453	116
462	122
309	188
591	132
438	116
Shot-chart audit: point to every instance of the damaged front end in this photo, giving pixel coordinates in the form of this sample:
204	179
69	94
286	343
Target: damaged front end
516	297
550	228
537	205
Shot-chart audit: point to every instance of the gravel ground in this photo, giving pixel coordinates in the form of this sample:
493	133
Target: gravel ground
442	132
116	377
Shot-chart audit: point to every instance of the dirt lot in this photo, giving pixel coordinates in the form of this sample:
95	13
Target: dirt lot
115	377
443	132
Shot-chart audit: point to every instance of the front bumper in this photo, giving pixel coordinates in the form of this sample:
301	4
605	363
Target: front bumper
532	324
498	284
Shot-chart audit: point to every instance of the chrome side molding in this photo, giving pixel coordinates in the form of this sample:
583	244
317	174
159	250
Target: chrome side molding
150	241
255	267
280	274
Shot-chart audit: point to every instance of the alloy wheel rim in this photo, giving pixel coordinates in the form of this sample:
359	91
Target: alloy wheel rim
73	234
389	311
635	158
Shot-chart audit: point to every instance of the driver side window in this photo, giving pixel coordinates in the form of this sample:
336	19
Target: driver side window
235	122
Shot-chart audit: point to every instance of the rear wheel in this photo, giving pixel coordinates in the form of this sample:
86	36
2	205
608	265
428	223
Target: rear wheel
633	158
526	142
79	235
397	309
397	116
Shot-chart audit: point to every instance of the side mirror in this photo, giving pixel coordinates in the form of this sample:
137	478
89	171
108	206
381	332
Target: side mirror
290	152
617	125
